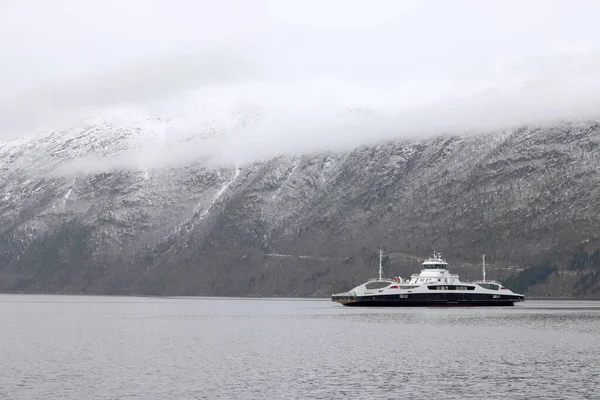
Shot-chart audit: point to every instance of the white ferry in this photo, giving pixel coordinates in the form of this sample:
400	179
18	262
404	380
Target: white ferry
434	286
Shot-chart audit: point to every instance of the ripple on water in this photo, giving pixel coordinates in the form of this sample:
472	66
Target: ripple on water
73	347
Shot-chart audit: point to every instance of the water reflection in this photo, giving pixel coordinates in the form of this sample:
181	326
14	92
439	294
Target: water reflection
73	347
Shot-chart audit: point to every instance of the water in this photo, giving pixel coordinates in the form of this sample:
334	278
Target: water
80	347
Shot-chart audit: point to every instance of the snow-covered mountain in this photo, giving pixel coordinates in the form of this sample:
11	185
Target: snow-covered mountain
113	207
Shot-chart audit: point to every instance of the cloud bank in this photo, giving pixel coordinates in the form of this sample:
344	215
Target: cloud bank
280	77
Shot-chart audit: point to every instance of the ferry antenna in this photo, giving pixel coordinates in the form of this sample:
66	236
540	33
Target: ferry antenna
483	266
380	263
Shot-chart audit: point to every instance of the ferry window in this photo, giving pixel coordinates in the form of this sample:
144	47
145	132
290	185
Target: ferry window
377	285
490	286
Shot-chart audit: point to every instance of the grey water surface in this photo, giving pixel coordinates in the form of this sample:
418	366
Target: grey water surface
101	347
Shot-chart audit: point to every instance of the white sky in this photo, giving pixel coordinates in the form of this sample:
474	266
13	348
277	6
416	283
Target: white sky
422	65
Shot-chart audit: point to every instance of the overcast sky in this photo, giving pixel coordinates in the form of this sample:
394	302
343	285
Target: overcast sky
420	66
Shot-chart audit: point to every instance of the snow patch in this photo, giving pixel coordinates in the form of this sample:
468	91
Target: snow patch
214	201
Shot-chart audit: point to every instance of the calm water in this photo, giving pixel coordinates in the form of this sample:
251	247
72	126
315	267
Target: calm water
78	347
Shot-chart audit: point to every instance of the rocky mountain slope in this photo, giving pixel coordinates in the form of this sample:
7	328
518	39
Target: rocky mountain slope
297	225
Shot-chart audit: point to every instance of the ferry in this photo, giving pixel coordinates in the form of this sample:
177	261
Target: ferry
433	286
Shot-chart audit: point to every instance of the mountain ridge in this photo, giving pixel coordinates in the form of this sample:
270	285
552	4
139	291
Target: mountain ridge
516	195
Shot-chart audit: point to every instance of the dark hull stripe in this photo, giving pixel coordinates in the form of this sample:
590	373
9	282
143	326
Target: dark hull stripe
391	303
429	300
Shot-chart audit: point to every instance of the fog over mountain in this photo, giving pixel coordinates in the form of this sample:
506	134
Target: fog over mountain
142	137
421	67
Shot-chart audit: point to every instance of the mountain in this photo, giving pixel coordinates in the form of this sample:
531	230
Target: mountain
82	212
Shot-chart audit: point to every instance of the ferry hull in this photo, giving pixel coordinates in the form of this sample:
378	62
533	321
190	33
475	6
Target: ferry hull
427	300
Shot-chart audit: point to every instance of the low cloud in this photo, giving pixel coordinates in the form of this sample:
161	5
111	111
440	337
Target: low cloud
232	84
143	82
